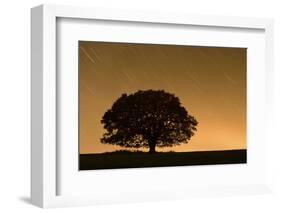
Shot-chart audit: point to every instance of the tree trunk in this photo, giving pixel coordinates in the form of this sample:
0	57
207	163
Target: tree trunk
152	148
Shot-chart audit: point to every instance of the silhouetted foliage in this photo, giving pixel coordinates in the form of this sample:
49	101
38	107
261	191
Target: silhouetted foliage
148	119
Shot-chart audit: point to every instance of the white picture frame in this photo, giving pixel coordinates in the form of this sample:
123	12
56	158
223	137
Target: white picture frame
44	150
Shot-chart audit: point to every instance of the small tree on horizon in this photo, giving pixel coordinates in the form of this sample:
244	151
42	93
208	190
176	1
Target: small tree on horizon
148	119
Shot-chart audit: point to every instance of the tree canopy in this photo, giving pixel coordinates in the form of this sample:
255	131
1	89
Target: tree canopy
149	119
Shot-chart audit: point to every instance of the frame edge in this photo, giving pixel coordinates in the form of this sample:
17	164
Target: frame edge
37	106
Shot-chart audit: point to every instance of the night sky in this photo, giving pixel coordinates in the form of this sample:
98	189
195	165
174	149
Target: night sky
209	81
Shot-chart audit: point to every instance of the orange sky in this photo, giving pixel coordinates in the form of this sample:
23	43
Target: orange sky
210	83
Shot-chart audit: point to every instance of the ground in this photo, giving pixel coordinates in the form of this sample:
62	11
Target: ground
124	159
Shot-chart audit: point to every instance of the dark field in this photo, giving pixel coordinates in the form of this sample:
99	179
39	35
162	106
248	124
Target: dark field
125	159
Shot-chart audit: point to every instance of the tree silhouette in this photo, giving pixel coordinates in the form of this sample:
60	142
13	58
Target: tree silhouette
148	119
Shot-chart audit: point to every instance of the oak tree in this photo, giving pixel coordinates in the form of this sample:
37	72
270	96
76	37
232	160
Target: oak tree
150	119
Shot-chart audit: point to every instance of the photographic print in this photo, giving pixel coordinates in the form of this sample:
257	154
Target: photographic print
155	105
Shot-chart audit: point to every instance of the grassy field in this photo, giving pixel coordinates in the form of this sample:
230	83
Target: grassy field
124	159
